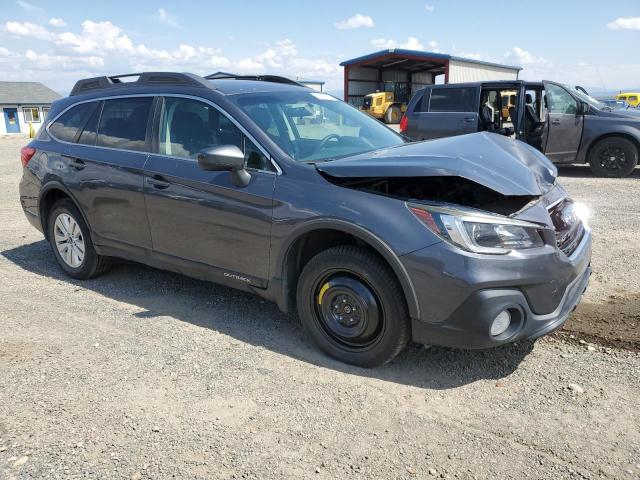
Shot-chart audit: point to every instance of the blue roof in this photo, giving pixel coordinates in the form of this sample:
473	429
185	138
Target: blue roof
426	55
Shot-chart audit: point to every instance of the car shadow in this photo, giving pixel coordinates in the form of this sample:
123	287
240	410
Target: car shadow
248	318
583	171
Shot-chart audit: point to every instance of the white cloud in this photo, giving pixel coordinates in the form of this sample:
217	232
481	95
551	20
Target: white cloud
30	8
62	56
357	21
429	8
248	65
167	19
473	56
625	23
27	29
47	62
57	22
412	43
286	48
522	57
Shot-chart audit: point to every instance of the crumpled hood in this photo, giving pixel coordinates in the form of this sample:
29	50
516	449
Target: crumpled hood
507	166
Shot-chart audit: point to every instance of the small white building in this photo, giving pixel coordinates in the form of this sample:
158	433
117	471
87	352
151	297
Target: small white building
315	84
22	103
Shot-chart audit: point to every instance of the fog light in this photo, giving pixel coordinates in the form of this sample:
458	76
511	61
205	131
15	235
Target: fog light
501	323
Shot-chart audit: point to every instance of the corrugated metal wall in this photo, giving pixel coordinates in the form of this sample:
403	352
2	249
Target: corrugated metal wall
475	72
420	80
364	80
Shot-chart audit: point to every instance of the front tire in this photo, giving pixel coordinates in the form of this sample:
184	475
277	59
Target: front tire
352	306
393	114
71	242
613	157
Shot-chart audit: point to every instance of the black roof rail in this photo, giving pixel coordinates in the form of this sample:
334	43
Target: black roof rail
89	85
260	78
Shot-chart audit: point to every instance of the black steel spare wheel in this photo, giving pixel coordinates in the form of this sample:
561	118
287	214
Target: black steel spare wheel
348	310
352	306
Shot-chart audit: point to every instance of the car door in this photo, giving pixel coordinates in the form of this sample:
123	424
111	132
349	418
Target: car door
201	216
104	160
448	111
564	124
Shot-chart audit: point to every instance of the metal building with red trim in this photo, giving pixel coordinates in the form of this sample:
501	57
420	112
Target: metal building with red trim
415	68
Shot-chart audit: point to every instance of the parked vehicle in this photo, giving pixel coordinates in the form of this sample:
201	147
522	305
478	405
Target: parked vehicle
389	105
614	104
465	242
563	122
631	98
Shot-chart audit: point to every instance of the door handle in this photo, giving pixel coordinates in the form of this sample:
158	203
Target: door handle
75	163
469	119
157	182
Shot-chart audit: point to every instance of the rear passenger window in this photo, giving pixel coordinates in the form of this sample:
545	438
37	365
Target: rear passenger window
123	123
422	105
453	100
66	127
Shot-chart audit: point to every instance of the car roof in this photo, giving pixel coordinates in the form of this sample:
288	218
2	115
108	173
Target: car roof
157	82
487	82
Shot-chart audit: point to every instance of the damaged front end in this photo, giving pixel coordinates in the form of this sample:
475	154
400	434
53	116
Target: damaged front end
483	193
447	190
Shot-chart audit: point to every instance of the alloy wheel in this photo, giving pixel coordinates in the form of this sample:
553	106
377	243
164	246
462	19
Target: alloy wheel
612	158
69	240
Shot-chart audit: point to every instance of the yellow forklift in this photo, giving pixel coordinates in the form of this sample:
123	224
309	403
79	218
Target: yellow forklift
388	105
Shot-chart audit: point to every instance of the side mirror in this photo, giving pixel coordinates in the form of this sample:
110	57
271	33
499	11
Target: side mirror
583	108
225	158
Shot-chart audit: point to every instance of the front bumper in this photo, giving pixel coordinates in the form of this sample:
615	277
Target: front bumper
459	300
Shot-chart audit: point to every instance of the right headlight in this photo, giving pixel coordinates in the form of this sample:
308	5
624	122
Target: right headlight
477	231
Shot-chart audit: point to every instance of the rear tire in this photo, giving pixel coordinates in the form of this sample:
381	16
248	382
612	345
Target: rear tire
352	306
70	241
393	114
613	157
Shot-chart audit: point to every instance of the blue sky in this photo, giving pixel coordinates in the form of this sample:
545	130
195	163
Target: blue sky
594	44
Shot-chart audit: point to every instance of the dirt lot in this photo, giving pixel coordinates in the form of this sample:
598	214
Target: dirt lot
147	374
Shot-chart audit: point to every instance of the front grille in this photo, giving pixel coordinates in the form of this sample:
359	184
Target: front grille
569	228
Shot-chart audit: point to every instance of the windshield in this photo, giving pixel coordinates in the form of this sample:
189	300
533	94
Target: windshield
314	126
586	98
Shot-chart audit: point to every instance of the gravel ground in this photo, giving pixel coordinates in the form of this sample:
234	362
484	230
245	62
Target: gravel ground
147	374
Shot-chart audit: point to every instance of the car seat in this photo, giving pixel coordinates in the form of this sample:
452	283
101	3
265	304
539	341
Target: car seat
188	131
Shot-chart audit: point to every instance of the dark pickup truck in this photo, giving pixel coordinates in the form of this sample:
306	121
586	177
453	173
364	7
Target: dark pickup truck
563	122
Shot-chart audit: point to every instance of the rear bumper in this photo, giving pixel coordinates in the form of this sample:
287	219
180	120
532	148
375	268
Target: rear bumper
29	189
460	303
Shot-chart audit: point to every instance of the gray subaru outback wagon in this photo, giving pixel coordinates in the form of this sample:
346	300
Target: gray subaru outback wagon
270	187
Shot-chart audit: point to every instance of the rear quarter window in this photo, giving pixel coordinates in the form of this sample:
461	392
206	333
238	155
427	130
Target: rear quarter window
68	124
453	100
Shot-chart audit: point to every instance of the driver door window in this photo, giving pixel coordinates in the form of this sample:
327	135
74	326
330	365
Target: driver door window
560	101
188	126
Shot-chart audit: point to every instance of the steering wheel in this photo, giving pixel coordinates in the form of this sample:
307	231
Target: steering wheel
325	140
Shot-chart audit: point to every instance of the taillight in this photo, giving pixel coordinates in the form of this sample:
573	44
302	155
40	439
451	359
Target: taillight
404	124
25	155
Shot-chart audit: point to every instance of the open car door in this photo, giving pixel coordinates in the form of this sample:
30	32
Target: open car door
564	123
